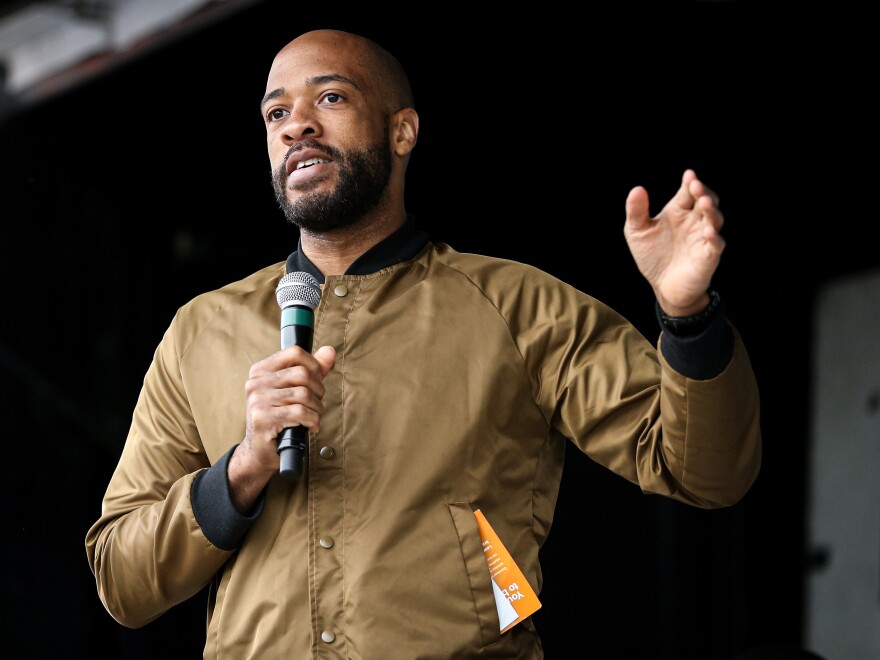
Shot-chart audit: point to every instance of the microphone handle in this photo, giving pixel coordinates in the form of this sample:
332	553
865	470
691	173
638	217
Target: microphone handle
297	328
292	444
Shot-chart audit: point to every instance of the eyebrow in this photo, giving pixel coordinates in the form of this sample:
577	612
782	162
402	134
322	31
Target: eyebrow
315	80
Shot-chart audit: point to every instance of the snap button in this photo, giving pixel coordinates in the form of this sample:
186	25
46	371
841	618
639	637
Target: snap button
327	452
328	636
340	290
326	541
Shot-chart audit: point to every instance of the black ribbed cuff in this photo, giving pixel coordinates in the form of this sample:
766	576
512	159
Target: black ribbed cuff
703	355
212	506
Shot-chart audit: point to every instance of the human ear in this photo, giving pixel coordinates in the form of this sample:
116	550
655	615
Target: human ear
404	130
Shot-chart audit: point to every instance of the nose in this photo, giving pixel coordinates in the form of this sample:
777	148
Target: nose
300	123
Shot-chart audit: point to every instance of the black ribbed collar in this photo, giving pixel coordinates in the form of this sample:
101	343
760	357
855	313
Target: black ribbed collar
402	245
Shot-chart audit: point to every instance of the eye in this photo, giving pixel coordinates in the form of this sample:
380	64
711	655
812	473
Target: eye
332	98
276	114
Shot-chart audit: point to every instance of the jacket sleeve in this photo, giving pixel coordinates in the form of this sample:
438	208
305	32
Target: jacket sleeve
710	440
147	550
694	438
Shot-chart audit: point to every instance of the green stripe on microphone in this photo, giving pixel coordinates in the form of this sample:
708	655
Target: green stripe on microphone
297	316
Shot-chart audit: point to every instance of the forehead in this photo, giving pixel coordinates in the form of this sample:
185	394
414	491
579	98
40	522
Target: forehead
310	58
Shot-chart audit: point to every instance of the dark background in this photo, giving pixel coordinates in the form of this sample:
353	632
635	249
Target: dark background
123	198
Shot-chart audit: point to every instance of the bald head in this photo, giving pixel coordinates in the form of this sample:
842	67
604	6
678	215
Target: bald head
378	67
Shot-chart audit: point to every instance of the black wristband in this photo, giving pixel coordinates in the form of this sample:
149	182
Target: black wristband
689	326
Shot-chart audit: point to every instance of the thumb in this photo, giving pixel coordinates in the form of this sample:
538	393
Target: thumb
637	207
326	357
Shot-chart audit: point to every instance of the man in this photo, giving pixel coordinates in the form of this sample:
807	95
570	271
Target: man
444	386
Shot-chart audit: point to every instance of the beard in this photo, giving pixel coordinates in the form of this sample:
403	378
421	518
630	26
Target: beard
363	180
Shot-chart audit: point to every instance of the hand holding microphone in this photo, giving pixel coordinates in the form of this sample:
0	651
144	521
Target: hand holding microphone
268	392
298	294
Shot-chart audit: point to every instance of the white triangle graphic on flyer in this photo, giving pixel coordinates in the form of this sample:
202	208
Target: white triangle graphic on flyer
506	613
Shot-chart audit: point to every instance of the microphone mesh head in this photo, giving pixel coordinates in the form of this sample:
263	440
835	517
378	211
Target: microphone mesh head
298	288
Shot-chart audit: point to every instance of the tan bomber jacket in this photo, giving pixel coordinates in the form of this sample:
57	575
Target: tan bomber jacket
459	379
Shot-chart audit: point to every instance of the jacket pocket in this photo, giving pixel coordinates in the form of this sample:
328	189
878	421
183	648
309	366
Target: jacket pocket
477	570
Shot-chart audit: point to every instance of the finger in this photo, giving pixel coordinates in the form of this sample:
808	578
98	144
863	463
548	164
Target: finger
300	415
272	409
288	357
299	398
710	216
684	197
712	237
699	190
267	422
285	387
637	207
302	385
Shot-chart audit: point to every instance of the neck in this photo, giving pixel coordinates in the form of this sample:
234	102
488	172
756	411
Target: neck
334	251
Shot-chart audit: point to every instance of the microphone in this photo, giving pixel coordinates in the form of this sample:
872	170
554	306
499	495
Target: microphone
297	294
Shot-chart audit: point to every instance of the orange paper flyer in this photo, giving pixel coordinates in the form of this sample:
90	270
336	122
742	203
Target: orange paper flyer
514	596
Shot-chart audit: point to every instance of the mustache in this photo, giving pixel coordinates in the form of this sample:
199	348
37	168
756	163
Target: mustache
309	143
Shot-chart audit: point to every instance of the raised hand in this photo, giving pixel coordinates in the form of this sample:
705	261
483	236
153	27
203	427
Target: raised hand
680	248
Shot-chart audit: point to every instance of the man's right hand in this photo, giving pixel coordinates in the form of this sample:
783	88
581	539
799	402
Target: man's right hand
283	390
